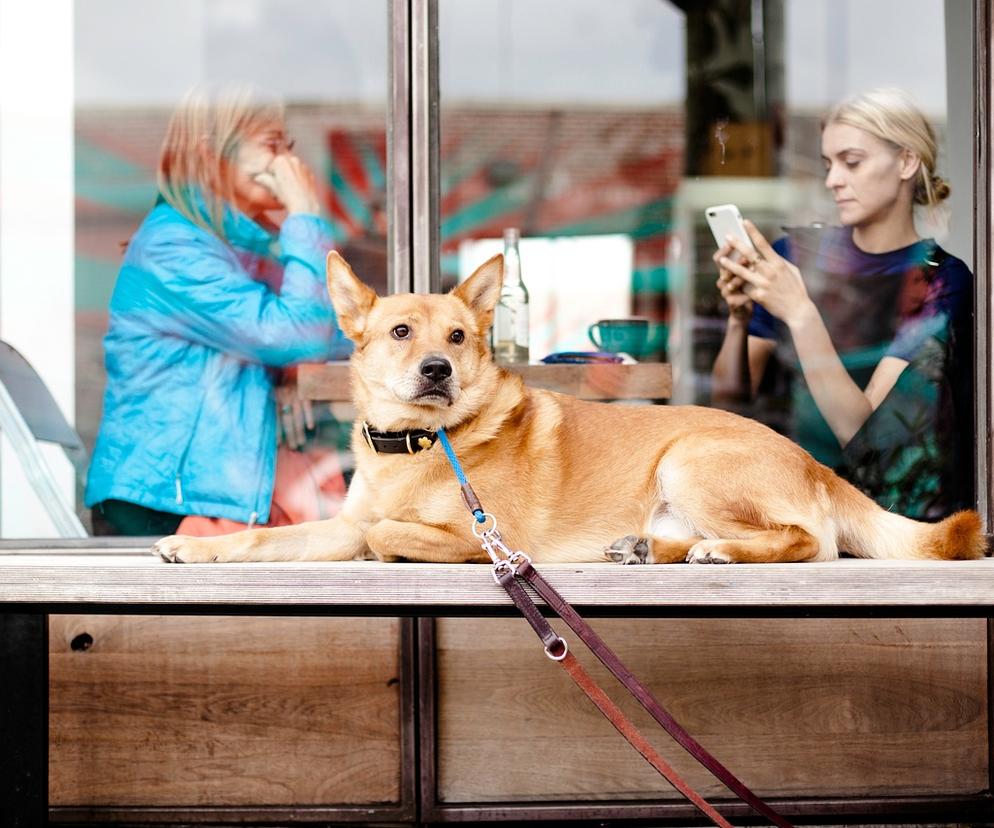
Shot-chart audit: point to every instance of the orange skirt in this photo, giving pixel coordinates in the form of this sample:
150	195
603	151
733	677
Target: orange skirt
309	486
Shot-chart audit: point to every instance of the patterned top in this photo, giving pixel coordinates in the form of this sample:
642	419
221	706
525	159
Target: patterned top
914	454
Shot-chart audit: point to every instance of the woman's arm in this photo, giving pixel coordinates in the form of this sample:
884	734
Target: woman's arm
738	369
778	285
841	402
740	364
183	282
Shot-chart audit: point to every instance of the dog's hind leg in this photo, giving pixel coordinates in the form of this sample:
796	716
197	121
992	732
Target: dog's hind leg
391	540
633	549
787	544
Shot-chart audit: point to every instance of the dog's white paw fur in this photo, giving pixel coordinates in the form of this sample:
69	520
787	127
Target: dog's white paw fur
183	549
709	552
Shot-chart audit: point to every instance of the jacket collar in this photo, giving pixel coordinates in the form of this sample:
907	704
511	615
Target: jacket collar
243	232
240	230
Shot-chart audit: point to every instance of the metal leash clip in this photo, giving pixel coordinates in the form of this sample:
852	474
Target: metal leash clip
509	563
500	554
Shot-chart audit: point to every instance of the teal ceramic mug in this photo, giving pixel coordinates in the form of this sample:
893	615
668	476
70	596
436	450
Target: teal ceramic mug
620	335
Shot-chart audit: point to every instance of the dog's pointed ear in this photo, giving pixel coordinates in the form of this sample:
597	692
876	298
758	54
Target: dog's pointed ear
481	291
351	298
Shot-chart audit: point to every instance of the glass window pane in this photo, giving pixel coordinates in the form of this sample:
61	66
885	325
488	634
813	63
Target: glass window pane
602	132
198	323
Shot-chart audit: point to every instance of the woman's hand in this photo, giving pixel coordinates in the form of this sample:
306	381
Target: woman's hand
768	278
730	285
292	182
292	415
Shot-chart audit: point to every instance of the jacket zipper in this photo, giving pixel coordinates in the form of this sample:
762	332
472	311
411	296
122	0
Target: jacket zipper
254	516
182	458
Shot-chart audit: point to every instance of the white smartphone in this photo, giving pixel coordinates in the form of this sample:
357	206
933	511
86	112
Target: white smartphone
726	220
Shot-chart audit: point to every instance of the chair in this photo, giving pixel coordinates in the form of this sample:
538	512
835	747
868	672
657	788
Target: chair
29	415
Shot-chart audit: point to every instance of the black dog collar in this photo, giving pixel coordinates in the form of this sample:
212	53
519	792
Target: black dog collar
398	442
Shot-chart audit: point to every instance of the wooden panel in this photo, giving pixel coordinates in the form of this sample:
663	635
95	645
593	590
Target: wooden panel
646	380
223	711
114	577
793	707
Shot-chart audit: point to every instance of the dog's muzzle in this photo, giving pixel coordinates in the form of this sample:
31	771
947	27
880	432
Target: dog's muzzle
435	378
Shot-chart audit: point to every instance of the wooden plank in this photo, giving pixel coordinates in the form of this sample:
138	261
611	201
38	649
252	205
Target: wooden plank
157	711
138	578
646	380
798	708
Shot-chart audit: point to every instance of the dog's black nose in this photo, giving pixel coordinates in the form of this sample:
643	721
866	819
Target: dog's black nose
436	369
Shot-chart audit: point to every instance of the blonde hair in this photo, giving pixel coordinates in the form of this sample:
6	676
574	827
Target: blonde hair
892	116
203	134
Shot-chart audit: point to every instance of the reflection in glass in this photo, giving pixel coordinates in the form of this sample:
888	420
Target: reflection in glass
606	136
576	139
326	61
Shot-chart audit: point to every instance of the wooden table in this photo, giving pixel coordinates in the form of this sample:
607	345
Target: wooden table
644	380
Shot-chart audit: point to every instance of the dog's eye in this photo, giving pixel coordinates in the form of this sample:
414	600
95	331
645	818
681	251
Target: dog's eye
400	332
457	336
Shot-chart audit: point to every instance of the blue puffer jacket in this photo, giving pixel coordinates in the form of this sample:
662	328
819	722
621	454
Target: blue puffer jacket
189	422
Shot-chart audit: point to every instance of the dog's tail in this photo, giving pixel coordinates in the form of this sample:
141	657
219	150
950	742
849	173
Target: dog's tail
866	530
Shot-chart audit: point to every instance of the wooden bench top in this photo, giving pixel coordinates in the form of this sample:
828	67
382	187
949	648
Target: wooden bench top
113	579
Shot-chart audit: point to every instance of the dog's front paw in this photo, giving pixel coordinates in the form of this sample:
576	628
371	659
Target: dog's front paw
709	552
628	550
183	549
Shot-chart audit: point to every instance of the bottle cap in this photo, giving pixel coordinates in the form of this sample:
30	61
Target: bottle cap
511	235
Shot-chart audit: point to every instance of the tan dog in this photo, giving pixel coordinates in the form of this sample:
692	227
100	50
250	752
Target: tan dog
567	480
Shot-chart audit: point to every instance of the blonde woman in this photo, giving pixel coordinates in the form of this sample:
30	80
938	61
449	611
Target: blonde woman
872	321
221	286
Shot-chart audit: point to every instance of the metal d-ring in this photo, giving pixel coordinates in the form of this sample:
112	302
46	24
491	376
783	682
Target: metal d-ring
562	655
483	529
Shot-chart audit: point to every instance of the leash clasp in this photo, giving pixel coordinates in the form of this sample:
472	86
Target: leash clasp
502	557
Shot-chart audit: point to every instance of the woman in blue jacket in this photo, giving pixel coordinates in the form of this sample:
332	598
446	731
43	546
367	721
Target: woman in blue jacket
212	299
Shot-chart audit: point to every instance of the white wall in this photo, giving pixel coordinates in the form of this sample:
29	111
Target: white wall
36	225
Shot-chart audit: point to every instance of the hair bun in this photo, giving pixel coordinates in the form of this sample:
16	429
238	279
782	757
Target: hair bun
930	189
940	188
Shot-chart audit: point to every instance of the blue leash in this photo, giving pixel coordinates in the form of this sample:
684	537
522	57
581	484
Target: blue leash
469	496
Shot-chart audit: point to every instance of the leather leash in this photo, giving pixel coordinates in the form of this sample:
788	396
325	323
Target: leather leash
508	566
